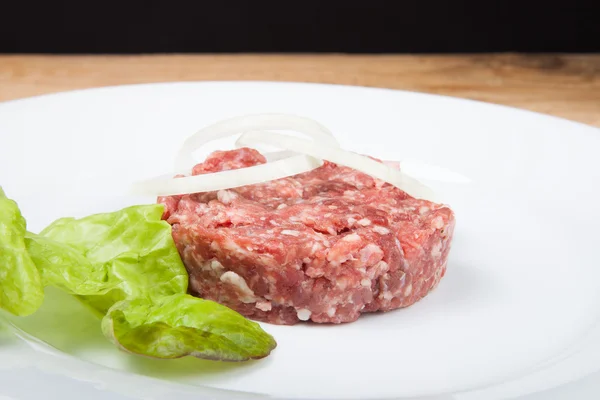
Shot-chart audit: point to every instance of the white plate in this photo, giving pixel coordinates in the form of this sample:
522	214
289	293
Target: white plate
516	315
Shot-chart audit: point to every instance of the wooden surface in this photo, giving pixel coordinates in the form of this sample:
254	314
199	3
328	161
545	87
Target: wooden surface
563	85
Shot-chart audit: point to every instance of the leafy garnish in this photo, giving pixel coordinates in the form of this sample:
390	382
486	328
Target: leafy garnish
21	290
125	267
181	325
133	248
65	267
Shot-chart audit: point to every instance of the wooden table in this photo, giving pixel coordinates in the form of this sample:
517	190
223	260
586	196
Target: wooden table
564	85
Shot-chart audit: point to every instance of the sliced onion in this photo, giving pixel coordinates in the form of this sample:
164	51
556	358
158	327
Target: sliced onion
169	186
232	126
420	170
280	165
277	155
342	157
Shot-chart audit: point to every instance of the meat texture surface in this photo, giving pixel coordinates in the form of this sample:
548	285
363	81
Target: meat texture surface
324	246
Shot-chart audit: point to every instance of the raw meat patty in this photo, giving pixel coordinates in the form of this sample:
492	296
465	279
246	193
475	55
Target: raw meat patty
323	246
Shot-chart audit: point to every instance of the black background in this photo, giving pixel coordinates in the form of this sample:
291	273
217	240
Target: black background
299	26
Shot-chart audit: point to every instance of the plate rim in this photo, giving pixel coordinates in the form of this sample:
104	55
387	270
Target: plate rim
72	92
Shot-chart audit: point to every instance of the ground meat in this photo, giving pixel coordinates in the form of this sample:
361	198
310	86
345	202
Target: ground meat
323	246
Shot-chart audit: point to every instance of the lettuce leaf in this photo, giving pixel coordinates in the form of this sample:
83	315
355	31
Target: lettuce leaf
125	267
180	325
64	267
131	253
21	290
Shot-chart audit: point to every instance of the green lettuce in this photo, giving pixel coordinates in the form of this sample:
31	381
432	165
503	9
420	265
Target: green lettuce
21	290
64	267
125	267
180	325
131	253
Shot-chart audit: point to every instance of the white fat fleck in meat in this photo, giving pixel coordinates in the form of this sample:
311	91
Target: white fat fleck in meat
264	305
331	311
226	196
246	295
351	221
371	250
423	210
332	207
214	266
400	249
341	283
303	314
437	222
289	232
365	282
436	250
263	218
281	206
215	246
408	290
353	237
381	230
294	219
364	222
315	247
272	222
378	269
233	247
398	245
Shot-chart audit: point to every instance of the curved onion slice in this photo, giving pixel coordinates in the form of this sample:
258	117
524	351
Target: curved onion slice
277	155
253	122
280	165
169	186
420	170
342	157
